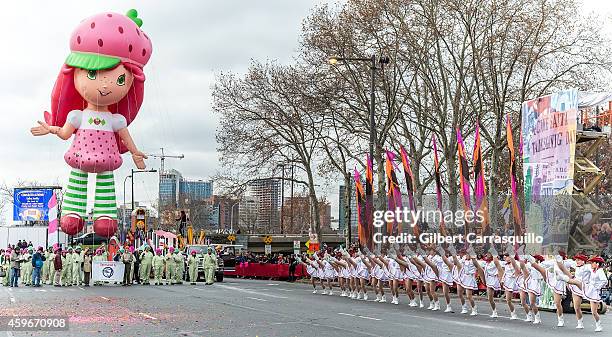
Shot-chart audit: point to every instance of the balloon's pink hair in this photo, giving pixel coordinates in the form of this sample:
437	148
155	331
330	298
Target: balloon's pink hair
65	98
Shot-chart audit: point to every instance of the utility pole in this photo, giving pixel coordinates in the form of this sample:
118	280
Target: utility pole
162	157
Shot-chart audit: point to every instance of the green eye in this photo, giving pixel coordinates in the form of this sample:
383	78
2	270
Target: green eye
121	80
91	74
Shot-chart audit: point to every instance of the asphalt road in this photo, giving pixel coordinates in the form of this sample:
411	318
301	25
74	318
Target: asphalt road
240	307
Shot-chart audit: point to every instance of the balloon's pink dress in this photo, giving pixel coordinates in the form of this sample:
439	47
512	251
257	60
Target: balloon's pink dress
94	148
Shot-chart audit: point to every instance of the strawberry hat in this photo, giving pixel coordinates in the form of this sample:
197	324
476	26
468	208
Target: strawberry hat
107	39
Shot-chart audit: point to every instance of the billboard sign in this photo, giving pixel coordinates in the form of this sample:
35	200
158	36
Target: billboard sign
31	204
549	148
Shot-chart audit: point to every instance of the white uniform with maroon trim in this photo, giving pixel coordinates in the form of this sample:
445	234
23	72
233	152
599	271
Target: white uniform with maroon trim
510	283
361	270
491	275
428	274
556	285
597	280
445	273
312	271
582	274
532	282
468	275
328	271
394	270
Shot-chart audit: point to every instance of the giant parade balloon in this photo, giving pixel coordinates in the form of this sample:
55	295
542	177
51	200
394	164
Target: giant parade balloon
97	94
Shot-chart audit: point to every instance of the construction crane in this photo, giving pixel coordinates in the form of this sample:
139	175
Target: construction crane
163	157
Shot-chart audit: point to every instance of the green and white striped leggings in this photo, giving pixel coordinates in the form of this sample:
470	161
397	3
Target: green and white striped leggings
75	199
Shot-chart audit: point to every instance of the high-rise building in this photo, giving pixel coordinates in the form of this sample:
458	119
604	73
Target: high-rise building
169	187
195	189
175	190
342	208
267	200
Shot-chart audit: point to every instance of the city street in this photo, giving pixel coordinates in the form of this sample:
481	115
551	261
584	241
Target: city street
240	307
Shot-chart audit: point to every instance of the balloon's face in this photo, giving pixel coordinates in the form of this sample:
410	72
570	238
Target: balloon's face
103	87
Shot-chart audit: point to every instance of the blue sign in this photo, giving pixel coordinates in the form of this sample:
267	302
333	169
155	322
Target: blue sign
31	205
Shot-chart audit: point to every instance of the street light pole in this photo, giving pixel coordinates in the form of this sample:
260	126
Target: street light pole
372	141
232	216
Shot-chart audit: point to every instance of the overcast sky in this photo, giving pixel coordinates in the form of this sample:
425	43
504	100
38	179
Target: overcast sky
192	41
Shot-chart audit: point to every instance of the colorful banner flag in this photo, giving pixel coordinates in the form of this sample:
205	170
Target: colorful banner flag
480	187
464	178
516	210
369	211
53	221
409	185
438	185
394	196
362	229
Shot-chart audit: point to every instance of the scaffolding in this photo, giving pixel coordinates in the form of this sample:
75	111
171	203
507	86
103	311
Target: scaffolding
593	129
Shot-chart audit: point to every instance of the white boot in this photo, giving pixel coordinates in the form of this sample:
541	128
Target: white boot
377	297
598	327
365	296
580	324
343	294
560	321
436	306
529	317
464	309
383	299
513	315
536	319
494	314
359	295
448	308
413	303
330	292
421	305
314	291
431	305
474	311
395	300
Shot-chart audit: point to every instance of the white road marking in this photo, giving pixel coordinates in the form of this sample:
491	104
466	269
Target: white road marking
81	288
364	317
147	316
284	289
105	298
250	292
272	284
257	299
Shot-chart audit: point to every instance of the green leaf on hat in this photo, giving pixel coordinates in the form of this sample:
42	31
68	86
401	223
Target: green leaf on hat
90	120
103	122
133	14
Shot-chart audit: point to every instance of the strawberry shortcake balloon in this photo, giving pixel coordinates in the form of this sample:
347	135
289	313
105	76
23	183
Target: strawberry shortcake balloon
96	96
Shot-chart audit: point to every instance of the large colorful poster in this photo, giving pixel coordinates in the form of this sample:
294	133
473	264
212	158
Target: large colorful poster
31	204
549	147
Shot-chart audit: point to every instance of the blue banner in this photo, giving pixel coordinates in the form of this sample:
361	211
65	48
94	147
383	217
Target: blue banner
31	204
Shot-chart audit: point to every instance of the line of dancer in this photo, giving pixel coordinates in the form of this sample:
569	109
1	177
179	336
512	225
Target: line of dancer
421	269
